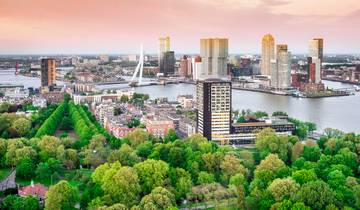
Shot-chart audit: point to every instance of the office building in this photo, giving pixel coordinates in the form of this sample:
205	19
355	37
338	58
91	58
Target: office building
214	53
167	65
164	46
213	108
48	73
267	54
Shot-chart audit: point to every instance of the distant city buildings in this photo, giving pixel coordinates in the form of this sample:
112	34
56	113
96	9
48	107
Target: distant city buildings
48	73
185	69
196	67
167	65
214	53
104	58
166	58
267	54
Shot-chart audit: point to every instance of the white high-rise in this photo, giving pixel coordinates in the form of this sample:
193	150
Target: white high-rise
214	53
281	68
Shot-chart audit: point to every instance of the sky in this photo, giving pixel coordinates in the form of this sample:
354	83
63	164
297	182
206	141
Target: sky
121	26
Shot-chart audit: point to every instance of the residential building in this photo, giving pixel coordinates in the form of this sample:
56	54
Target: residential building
37	190
196	67
158	127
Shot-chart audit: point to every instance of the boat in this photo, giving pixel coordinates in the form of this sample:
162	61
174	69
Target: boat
357	88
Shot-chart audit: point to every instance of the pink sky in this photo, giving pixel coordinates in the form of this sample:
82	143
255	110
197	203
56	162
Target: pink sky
120	26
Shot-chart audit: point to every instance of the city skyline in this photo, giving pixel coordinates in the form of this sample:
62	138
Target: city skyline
114	27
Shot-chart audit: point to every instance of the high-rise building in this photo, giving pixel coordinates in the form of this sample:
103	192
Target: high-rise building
214	53
167	65
267	54
48	72
185	67
316	47
164	46
214	109
283	68
196	67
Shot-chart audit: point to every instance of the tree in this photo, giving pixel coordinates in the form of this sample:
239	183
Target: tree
268	170
13	202
297	150
205	178
183	186
159	198
61	196
279	114
230	166
125	155
311	153
171	136
134	122
152	173
124	99
117	206
267	142
309	194
21	126
283	188
66	124
239	181
121	185
137	137
260	114
304	176
25	169
95	153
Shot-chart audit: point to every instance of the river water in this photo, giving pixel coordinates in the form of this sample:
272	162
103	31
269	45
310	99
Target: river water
336	112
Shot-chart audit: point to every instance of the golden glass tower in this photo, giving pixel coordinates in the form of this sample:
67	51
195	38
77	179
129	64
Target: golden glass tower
267	54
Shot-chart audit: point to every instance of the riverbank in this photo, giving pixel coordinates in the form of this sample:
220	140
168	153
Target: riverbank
340	80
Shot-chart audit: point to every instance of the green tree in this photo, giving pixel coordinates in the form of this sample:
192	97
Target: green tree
267	142
124	99
158	199
239	181
268	170
22	126
117	206
152	173
125	155
230	166
137	137
279	114
171	136
311	153
309	194
66	124
121	185
61	196
283	188
205	178
25	169
303	176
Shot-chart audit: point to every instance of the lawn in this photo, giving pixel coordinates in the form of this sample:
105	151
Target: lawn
4	172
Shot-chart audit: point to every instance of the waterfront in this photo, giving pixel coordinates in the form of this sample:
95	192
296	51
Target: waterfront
334	112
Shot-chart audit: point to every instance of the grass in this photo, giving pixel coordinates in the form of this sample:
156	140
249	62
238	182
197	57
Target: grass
4	172
49	182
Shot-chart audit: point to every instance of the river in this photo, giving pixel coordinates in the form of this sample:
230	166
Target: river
336	112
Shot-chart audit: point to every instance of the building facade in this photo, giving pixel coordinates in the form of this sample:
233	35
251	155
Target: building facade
213	108
167	64
214	53
267	54
48	72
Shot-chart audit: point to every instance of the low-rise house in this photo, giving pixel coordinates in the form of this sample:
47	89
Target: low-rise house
36	190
